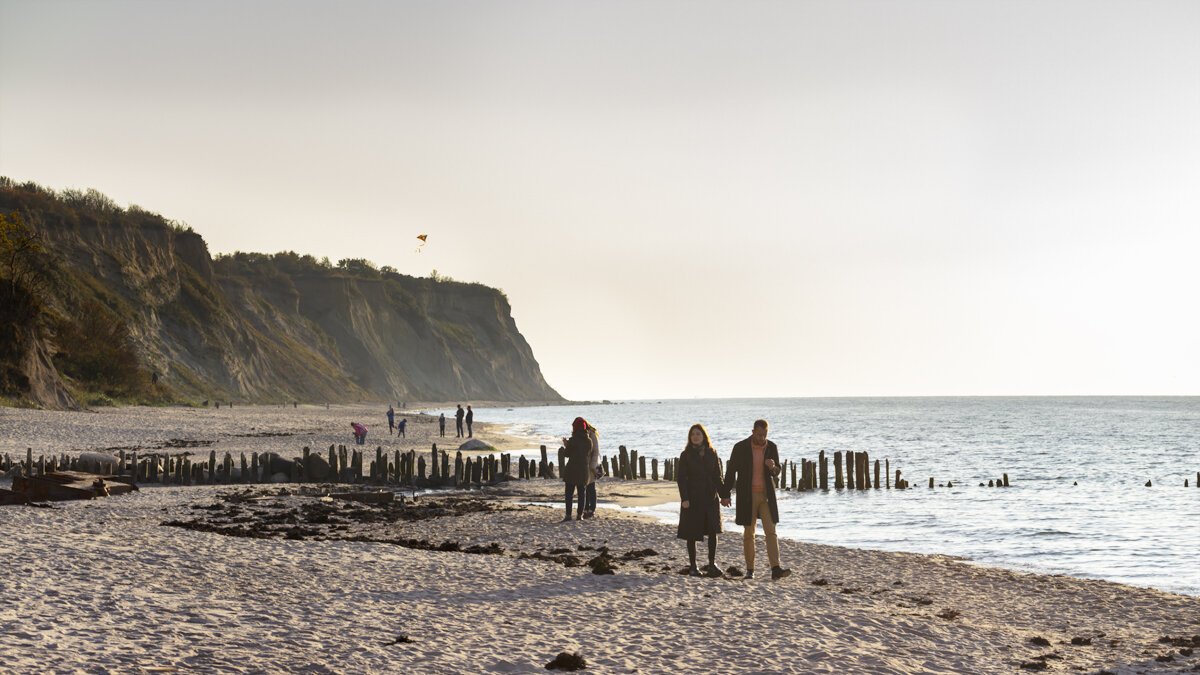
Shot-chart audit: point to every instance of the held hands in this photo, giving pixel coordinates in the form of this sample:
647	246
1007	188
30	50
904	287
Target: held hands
685	504
725	502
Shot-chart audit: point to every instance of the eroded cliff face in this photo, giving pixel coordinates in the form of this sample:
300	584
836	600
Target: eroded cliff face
259	328
46	386
401	334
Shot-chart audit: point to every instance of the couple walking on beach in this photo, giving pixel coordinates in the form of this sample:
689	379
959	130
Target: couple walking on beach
582	468
459	416
752	465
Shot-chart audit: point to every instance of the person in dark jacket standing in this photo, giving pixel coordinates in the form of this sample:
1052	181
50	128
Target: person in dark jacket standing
391	415
442	424
470	418
699	477
752	465
577	474
458	420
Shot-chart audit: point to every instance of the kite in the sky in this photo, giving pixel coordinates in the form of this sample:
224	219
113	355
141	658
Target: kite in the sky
422	238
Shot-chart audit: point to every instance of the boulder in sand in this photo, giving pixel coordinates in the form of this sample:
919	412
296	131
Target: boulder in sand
98	459
276	464
565	661
316	467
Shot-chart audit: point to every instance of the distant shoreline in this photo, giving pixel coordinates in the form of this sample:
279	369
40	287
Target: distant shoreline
415	406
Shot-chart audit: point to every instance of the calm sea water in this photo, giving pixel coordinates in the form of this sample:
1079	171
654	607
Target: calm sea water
1109	526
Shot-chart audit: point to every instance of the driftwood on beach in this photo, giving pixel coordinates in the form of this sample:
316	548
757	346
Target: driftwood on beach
57	486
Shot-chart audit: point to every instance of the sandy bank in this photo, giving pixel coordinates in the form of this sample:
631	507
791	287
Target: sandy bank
282	429
105	586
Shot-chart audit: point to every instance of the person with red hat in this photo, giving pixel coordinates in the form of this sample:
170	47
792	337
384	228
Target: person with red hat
577	473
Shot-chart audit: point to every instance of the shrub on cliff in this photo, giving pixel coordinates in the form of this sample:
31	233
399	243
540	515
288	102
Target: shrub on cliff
22	273
22	263
96	350
17	309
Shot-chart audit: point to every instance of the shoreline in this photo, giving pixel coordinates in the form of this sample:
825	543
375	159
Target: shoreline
284	429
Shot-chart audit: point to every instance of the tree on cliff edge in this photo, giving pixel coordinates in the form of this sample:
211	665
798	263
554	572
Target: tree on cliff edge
20	255
22	274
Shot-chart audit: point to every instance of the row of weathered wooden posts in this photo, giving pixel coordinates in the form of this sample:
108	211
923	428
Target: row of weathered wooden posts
341	464
351	465
853	470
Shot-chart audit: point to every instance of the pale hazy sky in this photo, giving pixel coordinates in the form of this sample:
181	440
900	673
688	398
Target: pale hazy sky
680	198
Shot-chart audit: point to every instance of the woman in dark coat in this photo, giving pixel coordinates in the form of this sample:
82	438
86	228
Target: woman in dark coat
700	489
577	473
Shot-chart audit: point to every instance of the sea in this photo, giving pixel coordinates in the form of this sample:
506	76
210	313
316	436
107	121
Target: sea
1096	484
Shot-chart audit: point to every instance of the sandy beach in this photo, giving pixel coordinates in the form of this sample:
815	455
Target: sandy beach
282	429
336	587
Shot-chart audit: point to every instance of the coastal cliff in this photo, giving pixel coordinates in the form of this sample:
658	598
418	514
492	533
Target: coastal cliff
247	327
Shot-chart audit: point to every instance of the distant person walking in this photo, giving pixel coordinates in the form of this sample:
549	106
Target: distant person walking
470	418
458	420
751	467
699	477
391	415
442	424
400	427
589	510
360	433
576	473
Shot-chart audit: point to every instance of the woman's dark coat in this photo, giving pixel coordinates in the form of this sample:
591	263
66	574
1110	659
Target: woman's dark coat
577	471
739	474
698	474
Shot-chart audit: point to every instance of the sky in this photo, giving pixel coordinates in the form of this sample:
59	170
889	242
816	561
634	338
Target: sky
680	199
